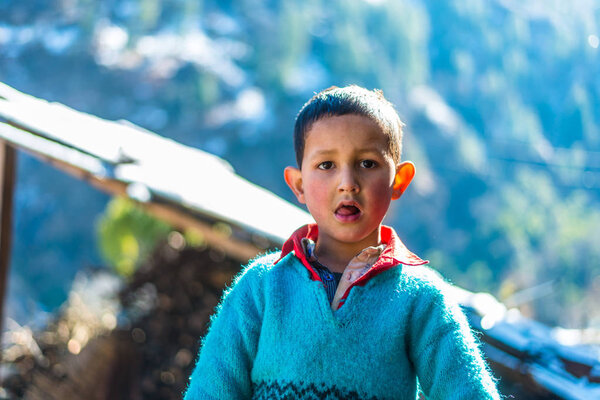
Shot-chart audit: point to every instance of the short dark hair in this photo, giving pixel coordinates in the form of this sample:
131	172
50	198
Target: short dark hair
336	101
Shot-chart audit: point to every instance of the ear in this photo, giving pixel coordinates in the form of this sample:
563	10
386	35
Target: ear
293	178
404	175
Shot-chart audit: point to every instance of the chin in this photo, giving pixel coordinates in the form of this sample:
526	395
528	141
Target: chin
355	236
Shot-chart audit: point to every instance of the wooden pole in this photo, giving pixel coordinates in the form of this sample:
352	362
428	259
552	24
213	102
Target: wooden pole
7	183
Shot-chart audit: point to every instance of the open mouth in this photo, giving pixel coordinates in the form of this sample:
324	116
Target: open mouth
347	212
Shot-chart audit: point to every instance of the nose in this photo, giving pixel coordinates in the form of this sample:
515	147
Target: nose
348	181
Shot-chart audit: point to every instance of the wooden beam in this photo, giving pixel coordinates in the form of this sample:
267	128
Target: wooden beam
7	183
236	249
179	218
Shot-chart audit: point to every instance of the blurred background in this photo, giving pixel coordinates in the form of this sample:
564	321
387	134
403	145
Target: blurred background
500	99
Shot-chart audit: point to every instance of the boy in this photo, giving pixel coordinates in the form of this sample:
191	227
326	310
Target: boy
346	311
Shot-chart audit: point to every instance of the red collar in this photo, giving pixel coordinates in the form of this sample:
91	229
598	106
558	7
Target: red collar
395	252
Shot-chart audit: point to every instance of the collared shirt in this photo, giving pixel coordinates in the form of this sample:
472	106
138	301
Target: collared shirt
395	253
331	280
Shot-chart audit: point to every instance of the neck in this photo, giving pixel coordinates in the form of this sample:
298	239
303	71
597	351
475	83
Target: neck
336	255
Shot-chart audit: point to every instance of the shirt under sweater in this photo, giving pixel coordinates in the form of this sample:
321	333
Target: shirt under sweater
275	336
330	280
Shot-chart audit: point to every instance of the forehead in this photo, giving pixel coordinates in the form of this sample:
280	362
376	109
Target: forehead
342	132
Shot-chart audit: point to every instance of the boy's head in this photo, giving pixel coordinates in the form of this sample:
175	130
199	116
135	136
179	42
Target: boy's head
352	99
348	149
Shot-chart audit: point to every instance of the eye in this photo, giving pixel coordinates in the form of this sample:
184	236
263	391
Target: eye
325	165
368	164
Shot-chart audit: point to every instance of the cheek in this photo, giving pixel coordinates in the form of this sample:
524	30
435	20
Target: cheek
316	195
381	193
380	183
383	205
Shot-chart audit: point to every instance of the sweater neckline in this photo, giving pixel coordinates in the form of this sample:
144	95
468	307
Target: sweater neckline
394	254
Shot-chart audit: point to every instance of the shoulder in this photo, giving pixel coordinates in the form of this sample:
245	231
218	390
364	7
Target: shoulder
255	269
426	285
246	288
421	277
433	302
264	267
261	263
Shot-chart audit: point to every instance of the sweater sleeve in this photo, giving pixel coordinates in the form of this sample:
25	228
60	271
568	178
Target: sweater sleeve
443	349
228	350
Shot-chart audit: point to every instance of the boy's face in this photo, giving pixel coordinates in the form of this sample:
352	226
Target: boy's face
348	178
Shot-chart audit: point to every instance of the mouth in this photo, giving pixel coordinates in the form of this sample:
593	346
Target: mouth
347	211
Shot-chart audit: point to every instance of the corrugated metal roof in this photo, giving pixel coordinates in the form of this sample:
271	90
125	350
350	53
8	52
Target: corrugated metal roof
125	159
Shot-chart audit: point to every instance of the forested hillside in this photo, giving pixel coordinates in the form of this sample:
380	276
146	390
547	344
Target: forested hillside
500	99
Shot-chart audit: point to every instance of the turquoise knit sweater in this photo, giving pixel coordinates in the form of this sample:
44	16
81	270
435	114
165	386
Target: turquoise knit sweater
274	336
